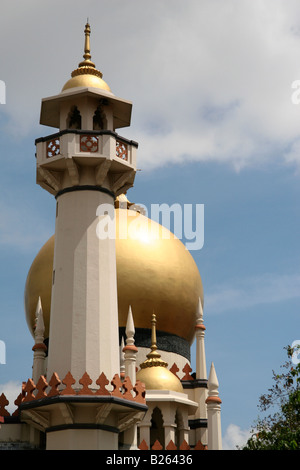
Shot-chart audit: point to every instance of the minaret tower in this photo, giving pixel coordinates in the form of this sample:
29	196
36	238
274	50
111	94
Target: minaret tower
80	401
85	166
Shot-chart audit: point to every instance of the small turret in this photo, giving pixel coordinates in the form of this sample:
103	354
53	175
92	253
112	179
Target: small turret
39	348
213	403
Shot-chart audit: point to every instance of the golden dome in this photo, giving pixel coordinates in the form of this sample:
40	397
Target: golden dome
153	274
86	75
86	78
159	378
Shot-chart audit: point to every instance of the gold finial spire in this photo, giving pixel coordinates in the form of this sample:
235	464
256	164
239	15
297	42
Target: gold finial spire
87	67
153	358
87	48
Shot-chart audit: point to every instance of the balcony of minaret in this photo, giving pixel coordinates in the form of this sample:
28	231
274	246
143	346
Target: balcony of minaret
107	158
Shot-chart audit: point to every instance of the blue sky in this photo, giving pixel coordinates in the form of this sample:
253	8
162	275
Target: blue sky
210	83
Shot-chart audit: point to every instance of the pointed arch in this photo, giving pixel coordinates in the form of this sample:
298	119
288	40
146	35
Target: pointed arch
99	119
157	428
74	118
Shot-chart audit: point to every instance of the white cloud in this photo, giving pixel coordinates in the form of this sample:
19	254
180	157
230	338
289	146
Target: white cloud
248	292
11	390
210	80
235	436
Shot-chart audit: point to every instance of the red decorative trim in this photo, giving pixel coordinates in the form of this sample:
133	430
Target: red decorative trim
39	346
174	369
171	446
3	403
143	445
130	348
213	400
122	389
200	446
85	381
157	446
184	446
187	369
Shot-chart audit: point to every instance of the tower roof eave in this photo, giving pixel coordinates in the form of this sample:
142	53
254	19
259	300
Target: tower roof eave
50	108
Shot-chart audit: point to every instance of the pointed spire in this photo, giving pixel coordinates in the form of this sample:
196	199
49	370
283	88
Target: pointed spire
213	386
87	48
199	318
200	347
130	350
39	348
153	357
39	325
87	66
213	402
130	330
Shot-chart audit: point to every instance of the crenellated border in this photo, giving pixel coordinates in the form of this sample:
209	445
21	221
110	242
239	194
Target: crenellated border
122	389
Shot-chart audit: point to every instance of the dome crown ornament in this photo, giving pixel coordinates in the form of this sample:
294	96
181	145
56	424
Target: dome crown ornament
86	73
87	49
154	372
153	357
87	66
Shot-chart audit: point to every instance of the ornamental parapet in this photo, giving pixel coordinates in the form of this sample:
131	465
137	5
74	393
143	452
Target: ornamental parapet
114	389
78	143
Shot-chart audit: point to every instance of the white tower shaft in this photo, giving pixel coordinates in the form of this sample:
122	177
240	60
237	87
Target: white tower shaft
84	316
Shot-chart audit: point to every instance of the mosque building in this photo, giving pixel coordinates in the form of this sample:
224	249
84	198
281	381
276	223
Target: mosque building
113	300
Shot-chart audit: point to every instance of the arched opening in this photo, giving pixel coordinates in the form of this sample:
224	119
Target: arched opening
157	428
99	119
74	118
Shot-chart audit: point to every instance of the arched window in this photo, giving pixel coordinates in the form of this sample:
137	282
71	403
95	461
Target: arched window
157	428
99	119
74	118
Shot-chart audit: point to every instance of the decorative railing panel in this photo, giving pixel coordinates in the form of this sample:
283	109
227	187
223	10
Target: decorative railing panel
89	143
53	148
121	150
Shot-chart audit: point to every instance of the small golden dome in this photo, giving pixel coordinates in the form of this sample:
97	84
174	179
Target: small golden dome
159	378
153	274
86	75
154	373
86	78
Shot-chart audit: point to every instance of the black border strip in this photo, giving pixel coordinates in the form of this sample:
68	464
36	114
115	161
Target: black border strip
198	423
85	187
85	132
165	341
63	427
197	383
82	399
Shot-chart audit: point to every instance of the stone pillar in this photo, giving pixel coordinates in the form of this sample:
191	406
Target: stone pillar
144	428
200	393
168	415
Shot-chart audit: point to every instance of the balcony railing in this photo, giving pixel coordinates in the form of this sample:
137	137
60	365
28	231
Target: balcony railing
78	143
